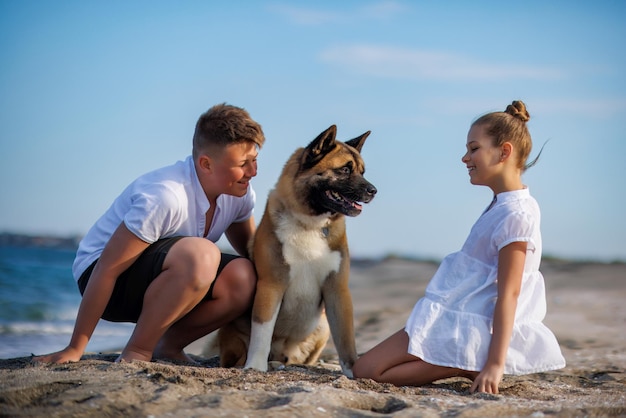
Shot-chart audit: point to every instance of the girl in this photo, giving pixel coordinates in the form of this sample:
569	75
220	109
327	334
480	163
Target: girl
482	312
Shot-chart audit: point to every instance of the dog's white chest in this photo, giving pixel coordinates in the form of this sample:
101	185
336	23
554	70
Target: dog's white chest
306	251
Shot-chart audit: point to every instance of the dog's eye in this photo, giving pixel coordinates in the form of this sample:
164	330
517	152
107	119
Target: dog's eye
345	170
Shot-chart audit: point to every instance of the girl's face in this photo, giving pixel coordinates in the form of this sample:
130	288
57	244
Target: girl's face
482	158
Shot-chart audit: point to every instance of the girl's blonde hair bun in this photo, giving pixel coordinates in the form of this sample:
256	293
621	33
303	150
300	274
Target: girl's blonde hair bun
518	109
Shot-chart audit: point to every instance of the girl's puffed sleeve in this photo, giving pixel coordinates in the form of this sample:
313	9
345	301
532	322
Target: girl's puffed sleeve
516	227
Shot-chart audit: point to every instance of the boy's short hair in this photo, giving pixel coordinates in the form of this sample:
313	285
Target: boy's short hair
224	125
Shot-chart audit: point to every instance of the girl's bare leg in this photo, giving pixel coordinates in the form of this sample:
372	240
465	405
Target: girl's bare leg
390	362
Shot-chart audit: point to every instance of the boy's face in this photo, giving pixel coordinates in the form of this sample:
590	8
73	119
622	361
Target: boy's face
234	167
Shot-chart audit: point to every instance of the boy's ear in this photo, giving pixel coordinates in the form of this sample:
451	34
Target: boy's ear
205	163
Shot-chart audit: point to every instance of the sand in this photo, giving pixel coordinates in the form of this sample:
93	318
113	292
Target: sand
586	310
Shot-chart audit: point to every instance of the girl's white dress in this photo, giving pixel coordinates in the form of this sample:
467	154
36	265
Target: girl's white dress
451	325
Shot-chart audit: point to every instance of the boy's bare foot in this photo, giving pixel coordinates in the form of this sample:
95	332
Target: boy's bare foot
163	353
130	355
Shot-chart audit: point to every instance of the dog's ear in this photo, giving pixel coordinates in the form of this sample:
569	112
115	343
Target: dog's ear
359	141
320	146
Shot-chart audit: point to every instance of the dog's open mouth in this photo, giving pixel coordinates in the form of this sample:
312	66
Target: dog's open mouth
343	201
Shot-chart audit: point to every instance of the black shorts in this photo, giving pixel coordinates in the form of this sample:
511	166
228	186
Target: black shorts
126	300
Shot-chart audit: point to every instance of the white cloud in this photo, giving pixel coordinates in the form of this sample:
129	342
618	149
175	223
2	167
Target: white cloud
592	107
416	64
546	107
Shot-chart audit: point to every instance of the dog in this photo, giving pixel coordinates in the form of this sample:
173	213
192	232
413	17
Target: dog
300	251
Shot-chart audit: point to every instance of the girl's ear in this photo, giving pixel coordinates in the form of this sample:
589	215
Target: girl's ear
505	153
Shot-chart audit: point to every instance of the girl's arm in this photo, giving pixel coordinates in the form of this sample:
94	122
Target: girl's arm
120	252
511	261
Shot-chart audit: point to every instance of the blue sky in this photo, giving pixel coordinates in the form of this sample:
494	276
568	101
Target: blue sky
93	94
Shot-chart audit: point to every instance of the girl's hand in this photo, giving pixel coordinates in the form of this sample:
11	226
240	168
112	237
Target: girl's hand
488	380
67	355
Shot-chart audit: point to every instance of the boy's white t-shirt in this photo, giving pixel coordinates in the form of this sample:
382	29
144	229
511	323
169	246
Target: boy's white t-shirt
164	203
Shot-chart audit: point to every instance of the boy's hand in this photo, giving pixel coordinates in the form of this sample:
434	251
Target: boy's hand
488	380
67	355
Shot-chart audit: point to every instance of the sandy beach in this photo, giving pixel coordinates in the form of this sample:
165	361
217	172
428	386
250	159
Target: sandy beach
586	311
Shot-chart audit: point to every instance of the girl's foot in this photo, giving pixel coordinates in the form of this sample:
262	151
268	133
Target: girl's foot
468	375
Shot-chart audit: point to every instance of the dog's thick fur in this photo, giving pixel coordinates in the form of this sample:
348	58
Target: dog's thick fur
300	251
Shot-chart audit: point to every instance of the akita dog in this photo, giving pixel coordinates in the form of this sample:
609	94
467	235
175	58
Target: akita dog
300	251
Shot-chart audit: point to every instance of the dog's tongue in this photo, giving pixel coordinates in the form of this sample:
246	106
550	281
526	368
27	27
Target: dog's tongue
357	205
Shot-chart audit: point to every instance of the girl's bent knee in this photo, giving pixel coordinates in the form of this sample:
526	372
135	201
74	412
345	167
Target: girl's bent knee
360	370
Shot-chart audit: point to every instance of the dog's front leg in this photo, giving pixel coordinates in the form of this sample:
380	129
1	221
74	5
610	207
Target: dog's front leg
267	304
338	303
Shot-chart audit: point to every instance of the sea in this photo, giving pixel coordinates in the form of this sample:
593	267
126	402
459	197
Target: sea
39	301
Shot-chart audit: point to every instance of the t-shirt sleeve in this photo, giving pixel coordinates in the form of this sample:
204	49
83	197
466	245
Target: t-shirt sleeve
154	213
516	227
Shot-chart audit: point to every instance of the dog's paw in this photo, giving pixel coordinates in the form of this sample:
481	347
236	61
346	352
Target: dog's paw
257	365
347	369
275	365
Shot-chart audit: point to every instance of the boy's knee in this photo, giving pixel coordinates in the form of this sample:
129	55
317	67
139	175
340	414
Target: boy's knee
196	260
238	280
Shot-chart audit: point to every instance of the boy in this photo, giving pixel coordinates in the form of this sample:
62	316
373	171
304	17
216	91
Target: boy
151	258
